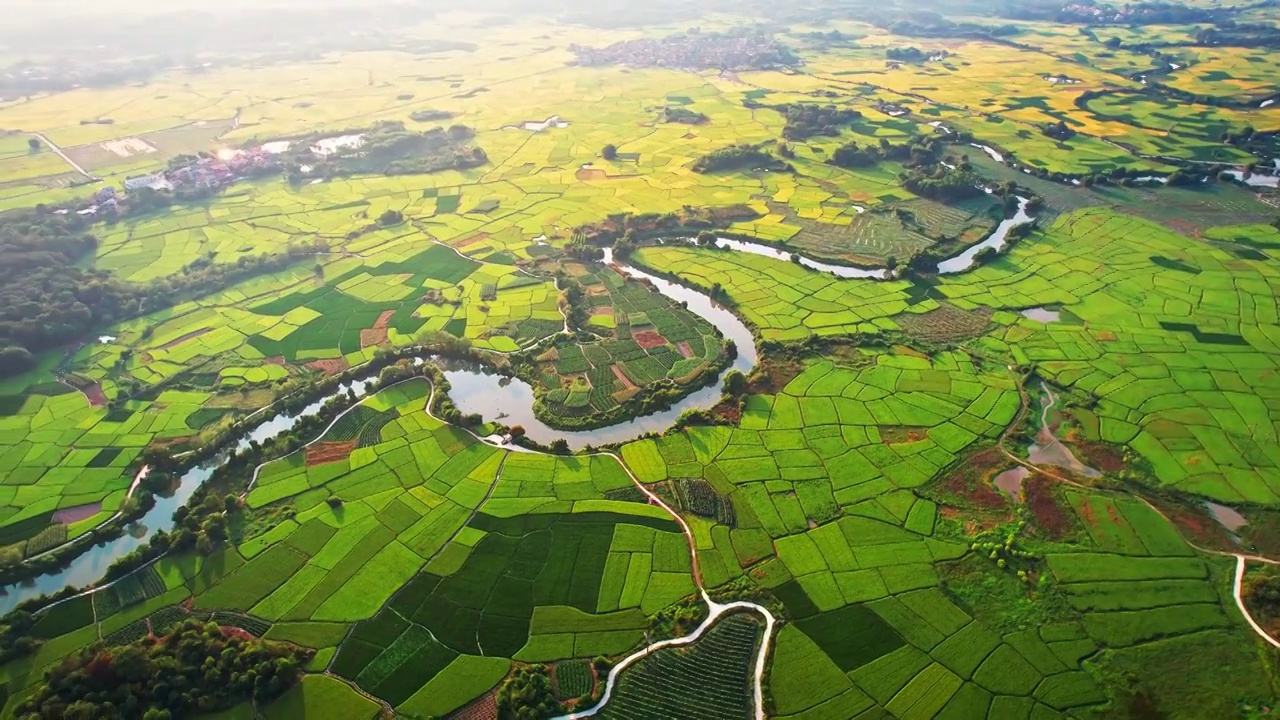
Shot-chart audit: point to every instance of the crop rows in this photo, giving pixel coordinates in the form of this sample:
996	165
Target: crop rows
710	679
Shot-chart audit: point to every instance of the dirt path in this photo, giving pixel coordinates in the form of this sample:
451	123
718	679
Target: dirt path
66	157
717	610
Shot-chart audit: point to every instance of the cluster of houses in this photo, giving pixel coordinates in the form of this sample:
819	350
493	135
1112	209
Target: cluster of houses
207	172
692	51
204	172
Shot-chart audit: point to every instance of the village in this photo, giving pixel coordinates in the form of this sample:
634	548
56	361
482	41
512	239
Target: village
733	51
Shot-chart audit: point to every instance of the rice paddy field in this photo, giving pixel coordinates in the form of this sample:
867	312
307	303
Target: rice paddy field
846	485
643	340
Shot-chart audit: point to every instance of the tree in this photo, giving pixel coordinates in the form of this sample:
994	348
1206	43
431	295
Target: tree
516	432
14	360
706	238
735	383
390	217
610	152
560	446
34	144
1264	594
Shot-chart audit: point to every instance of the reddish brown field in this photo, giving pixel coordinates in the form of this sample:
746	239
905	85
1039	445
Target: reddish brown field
321	453
94	395
233	631
66	516
471	240
622	377
685	350
275	360
1049	516
649	339
330	366
1099	456
969	481
486	708
376	335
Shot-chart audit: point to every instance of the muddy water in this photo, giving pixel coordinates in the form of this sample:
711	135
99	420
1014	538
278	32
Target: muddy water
1010	482
1228	518
1049	450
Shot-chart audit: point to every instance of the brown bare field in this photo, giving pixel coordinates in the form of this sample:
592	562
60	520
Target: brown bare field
486	708
93	393
649	339
622	378
326	452
70	515
685	350
329	366
376	335
471	240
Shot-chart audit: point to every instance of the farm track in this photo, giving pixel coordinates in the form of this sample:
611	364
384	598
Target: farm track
717	610
66	158
1242	559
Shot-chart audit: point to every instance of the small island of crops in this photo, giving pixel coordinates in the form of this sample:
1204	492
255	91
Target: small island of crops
638	351
640	360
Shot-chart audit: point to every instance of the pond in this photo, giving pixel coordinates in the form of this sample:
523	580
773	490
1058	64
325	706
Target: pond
1044	315
1049	450
1254	179
538	126
1229	518
330	146
1010	482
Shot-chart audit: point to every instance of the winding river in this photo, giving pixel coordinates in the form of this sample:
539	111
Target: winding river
493	396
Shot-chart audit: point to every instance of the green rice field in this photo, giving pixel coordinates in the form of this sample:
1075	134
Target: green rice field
1020	491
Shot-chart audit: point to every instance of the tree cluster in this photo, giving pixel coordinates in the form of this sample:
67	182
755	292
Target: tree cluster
737	157
1058	131
938	182
47	300
197	668
682	115
918	151
805	120
389	149
913	55
430	115
527	695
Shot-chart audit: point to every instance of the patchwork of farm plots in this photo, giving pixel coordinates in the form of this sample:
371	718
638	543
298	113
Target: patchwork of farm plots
65	448
1176	339
423	564
645	339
